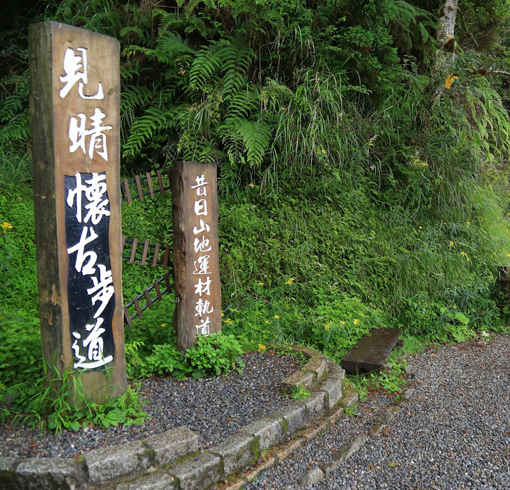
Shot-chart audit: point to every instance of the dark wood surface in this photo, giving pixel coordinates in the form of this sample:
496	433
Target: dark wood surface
371	352
52	160
185	256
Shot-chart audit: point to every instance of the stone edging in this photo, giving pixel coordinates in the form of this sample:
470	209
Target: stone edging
349	448
171	460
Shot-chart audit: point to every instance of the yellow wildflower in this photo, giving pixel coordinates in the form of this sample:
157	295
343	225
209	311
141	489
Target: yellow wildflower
289	282
163	324
508	255
228	321
342	324
262	347
464	254
355	321
260	283
6	226
267	321
327	326
251	185
468	223
451	244
276	316
449	81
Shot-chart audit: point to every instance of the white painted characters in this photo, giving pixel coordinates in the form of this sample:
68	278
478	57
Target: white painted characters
90	196
92	138
201	244
76	69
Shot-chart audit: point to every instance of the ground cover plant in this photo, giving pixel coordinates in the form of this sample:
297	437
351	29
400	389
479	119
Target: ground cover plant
361	183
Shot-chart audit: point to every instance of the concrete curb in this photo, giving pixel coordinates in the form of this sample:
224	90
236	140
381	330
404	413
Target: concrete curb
171	460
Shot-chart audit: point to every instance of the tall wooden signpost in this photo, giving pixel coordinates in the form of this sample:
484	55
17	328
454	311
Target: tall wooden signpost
196	254
74	117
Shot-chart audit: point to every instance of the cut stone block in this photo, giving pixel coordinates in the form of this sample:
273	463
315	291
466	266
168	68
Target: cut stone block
173	445
308	351
314	405
334	392
8	473
295	417
268	430
329	467
384	418
111	462
335	371
311	478
237	452
299	378
317	365
198	473
371	352
349	399
45	473
154	481
348	449
376	429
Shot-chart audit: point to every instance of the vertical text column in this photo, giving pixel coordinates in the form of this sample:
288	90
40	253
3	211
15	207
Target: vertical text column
196	254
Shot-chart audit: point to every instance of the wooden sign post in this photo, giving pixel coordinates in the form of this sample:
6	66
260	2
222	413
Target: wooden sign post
74	118
196	255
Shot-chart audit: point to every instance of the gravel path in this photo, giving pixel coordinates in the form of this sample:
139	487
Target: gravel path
213	408
454	433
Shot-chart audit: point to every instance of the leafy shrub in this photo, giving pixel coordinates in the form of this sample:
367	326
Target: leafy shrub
165	359
214	355
343	322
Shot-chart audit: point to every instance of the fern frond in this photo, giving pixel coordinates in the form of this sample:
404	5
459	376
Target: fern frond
235	60
154	121
204	65
254	135
243	103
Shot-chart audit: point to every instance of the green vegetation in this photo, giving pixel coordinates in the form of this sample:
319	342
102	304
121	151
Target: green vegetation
299	392
350	197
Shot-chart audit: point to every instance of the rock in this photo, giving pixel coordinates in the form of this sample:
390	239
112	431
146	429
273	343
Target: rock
311	478
329	467
348	449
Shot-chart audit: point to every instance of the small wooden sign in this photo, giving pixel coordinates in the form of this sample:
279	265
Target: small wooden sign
196	254
74	117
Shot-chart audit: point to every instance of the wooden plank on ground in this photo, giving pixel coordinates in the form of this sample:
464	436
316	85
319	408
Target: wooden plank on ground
371	352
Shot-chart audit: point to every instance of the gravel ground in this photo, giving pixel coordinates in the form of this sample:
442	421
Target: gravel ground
213	408
454	433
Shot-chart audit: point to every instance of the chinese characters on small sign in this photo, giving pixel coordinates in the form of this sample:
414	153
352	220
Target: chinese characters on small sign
195	252
201	259
87	220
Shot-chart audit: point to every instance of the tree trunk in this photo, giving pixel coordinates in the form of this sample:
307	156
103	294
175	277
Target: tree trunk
445	54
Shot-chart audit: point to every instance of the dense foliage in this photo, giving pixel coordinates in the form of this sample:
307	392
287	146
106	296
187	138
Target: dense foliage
350	198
